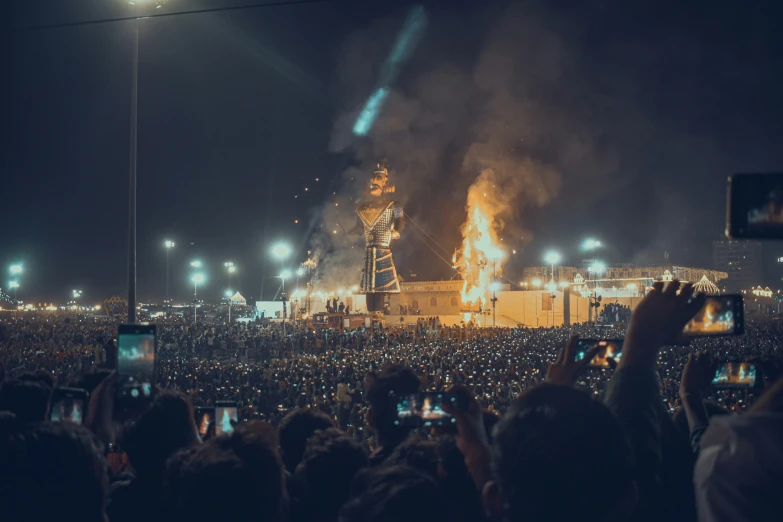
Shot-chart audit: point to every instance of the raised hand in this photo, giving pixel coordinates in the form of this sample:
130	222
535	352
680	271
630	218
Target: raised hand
566	369
659	320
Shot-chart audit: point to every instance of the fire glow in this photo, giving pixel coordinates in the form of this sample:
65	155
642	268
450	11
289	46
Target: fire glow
481	256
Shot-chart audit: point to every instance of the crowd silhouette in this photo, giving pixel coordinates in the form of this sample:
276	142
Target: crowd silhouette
537	434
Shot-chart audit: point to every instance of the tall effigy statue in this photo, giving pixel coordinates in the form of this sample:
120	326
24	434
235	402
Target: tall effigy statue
382	220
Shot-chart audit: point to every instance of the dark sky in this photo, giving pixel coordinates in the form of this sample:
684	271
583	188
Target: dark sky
629	121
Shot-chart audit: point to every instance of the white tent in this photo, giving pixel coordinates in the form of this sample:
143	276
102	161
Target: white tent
238	300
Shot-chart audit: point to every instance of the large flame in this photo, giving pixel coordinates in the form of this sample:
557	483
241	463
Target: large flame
481	255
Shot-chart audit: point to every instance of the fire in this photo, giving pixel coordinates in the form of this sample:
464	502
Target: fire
481	255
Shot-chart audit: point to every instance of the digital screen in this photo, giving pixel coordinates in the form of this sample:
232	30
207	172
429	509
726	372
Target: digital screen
67	409
715	318
765	207
224	415
738	374
136	365
612	352
422	409
204	418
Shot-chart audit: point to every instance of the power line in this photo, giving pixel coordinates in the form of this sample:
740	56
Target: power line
277	3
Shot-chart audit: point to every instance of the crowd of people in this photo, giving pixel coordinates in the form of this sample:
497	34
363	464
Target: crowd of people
536	435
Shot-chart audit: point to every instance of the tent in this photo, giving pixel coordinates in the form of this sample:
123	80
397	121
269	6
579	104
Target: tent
238	300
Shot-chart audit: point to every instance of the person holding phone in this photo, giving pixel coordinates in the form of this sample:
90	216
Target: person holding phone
163	429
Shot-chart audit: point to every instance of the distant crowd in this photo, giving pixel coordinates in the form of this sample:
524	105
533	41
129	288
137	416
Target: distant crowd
536	435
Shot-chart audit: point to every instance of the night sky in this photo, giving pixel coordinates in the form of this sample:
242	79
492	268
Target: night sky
614	121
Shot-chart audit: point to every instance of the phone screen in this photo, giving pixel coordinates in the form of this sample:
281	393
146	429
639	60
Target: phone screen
735	375
612	352
756	206
720	315
423	409
136	361
67	408
224	415
205	417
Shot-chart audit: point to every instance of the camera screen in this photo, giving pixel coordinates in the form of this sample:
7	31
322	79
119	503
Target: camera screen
738	374
613	352
715	318
223	417
136	365
425	409
204	418
765	206
67	409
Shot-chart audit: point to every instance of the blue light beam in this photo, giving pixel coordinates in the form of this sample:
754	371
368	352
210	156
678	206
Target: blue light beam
406	41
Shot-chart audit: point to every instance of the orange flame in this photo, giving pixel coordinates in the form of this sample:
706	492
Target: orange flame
481	254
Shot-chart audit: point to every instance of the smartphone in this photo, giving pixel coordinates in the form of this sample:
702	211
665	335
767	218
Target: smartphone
136	345
755	206
735	374
425	409
613	350
68	404
720	315
205	417
225	416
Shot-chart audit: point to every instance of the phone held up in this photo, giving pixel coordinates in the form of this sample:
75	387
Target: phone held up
721	315
612	350
426	409
226	415
736	374
205	419
136	347
68	404
755	206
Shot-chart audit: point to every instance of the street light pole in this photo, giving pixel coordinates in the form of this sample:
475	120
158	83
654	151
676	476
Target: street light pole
169	245
195	302
132	177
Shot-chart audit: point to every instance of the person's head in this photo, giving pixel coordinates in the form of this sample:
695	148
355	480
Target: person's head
330	462
167	426
560	455
391	384
294	430
50	471
27	399
237	477
418	454
394	494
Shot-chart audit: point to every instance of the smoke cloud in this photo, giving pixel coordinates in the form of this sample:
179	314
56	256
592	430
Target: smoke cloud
507	97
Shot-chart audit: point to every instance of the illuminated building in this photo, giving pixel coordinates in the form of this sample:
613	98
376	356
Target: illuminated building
741	260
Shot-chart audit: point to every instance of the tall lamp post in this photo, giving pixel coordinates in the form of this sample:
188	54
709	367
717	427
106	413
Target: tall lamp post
197	278
169	245
230	268
228	295
552	258
15	270
285	274
15	285
590	245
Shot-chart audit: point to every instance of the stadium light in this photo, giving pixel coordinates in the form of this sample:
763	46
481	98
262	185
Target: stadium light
168	244
300	271
285	274
13	284
552	258
197	278
281	251
590	244
229	293
16	269
196	263
597	267
536	282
